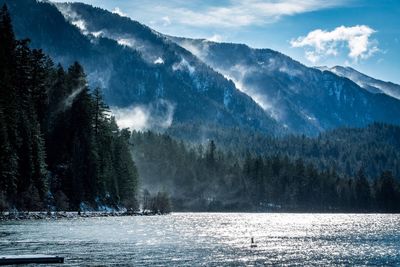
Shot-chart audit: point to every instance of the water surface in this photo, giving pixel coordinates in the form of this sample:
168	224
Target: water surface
211	239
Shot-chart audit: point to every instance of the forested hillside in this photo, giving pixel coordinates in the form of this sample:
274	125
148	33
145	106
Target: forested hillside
204	178
375	148
59	146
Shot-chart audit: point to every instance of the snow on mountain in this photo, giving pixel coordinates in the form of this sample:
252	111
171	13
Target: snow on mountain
137	67
306	100
207	83
370	84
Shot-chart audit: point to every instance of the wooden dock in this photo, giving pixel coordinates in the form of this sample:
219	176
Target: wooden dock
28	259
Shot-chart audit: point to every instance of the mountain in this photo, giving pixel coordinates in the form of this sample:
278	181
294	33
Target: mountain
305	100
142	73
156	80
364	81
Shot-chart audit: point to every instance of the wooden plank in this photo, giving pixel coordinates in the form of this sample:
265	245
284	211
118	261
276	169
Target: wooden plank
26	259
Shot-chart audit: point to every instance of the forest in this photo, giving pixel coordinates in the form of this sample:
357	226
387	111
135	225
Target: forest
374	148
206	178
61	149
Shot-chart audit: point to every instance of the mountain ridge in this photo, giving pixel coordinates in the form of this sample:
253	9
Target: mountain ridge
130	77
369	83
306	99
138	66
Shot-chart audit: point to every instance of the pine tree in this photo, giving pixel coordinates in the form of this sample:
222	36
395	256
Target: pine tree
40	82
387	193
100	109
210	153
362	191
125	169
8	164
81	121
8	108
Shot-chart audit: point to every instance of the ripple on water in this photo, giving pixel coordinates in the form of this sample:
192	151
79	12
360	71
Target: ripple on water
211	239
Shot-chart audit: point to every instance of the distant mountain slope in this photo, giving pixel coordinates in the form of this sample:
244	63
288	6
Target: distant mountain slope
182	80
306	100
367	82
137	66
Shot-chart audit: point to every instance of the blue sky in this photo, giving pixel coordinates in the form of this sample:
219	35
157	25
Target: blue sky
364	34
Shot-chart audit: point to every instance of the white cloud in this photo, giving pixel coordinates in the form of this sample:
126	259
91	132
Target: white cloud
239	13
134	118
119	12
216	38
81	24
73	17
157	115
166	21
200	13
320	43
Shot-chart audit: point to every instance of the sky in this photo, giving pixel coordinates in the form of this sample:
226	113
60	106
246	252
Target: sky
363	34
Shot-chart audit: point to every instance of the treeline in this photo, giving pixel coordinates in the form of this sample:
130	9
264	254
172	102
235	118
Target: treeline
375	148
59	146
203	178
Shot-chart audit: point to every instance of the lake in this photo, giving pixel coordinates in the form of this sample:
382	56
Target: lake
211	239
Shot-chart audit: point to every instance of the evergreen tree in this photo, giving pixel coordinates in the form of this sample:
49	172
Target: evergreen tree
362	191
47	111
210	154
84	169
8	109
387	193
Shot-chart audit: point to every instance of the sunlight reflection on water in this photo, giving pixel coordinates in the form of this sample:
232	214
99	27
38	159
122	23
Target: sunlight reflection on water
211	239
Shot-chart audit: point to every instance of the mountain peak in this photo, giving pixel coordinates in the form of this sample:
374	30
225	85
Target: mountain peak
225	84
368	83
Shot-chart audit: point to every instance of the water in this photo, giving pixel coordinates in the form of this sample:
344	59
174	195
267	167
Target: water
211	239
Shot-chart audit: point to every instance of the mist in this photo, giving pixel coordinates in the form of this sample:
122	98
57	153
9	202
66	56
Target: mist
157	115
70	99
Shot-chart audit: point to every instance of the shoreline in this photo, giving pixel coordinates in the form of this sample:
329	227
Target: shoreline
55	215
44	215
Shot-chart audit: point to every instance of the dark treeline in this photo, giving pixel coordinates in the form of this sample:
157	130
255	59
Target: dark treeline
59	146
203	178
375	148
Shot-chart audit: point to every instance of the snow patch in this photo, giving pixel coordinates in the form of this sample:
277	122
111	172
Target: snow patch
97	34
126	42
183	65
159	60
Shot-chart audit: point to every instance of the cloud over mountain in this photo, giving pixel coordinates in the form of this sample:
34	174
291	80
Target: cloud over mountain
320	43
